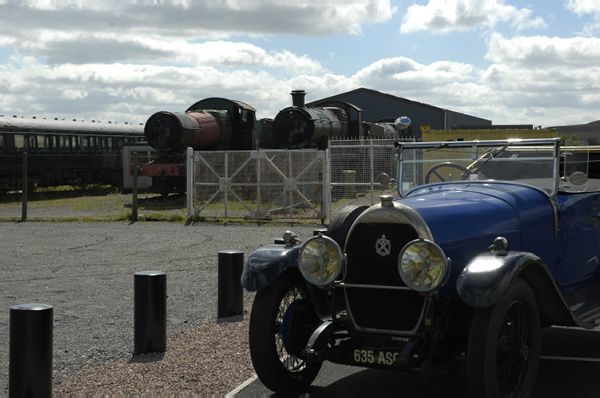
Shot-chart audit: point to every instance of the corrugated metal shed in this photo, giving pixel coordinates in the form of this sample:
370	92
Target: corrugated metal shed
377	105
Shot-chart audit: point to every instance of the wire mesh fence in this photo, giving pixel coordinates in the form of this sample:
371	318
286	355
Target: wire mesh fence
357	167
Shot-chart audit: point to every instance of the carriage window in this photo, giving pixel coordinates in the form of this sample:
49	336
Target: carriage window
118	143
110	144
51	143
84	144
64	144
43	144
20	143
1	143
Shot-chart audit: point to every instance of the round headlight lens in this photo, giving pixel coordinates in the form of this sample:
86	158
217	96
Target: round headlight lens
320	260
423	265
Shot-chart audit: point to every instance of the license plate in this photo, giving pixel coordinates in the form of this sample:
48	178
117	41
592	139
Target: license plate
367	357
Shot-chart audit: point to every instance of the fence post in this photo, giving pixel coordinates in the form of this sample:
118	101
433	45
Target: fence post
190	182
24	195
30	368
150	312
372	166
227	182
230	295
349	182
134	189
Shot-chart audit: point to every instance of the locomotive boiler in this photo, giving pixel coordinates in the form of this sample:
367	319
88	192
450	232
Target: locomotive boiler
298	127
209	124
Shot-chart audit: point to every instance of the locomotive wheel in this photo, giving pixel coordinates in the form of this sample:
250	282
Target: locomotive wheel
340	224
277	369
504	345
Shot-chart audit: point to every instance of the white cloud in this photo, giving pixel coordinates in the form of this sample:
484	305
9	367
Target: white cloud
583	7
109	48
506	92
543	52
209	19
125	60
557	76
445	16
412	78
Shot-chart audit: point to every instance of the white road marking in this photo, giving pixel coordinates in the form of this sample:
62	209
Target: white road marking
241	387
571	359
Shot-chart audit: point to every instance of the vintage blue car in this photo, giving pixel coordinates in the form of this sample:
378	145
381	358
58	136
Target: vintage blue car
488	242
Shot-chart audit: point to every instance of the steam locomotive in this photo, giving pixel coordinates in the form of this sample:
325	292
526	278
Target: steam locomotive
62	152
223	124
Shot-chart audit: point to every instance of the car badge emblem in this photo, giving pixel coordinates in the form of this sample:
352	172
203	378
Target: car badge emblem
383	246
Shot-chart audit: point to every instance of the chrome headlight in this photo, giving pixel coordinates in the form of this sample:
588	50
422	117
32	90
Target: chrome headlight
320	260
423	265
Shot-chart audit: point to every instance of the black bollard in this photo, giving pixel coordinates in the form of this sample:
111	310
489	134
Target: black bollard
231	294
150	312
30	368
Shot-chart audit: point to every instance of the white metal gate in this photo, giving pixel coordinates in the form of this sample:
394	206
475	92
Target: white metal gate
263	184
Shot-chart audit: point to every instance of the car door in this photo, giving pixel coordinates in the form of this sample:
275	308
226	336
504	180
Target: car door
579	238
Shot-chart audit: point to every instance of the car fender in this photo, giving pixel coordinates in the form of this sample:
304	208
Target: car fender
485	279
266	264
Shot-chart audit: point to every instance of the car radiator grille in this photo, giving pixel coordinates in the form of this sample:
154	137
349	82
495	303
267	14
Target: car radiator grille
374	307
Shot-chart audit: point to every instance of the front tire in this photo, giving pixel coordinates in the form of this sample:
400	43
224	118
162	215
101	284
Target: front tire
504	345
277	369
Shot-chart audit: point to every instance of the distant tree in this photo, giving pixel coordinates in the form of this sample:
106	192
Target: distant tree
569	141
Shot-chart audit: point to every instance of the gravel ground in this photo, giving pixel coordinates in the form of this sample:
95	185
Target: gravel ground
85	270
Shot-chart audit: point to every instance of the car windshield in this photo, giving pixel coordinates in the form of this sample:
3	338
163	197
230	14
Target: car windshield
532	162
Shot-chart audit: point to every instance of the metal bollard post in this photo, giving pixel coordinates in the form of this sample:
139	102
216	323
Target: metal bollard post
150	312
30	368
231	294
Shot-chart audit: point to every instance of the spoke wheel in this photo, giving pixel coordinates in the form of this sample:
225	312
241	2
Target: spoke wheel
504	345
277	369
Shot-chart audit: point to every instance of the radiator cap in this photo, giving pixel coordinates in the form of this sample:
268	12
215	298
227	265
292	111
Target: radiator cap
386	200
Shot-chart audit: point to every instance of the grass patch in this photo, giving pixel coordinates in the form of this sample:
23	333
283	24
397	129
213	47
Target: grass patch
80	188
159	217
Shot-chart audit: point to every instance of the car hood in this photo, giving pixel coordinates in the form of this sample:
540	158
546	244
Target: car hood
465	218
458	213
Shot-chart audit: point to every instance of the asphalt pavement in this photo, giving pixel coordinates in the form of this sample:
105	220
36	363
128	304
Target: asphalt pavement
569	367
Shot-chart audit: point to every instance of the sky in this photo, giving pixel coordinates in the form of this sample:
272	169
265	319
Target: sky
510	61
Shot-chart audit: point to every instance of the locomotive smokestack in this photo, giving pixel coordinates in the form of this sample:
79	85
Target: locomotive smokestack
298	98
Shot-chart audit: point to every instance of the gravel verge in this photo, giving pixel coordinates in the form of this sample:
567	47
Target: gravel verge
85	270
